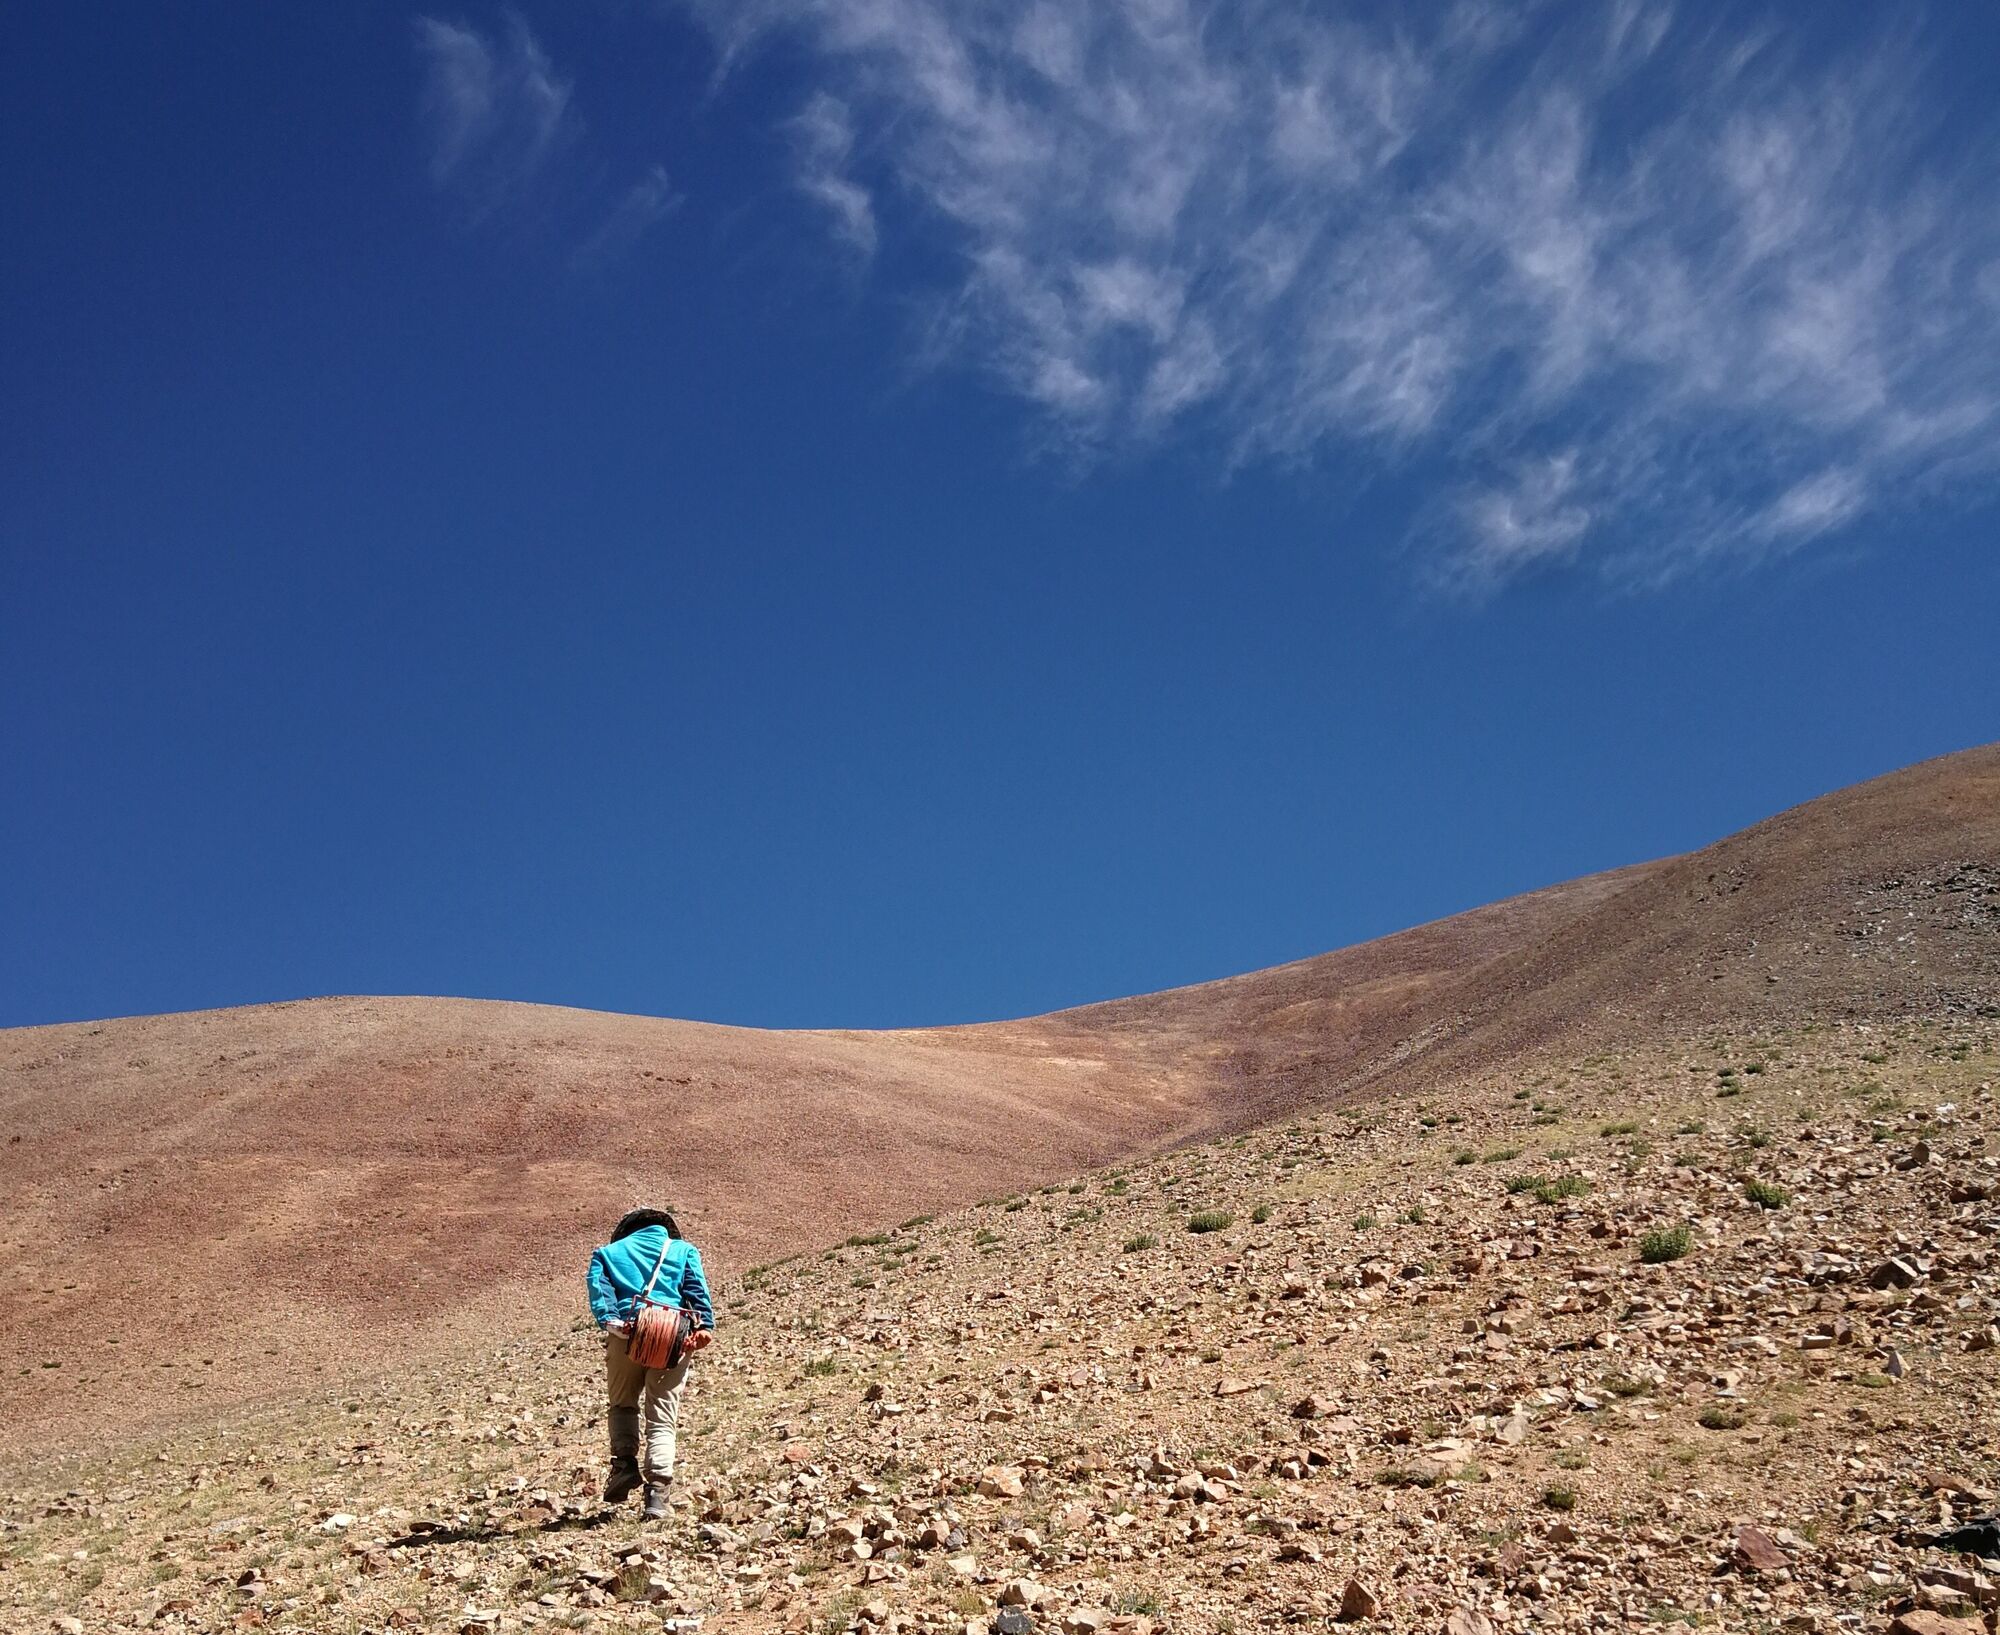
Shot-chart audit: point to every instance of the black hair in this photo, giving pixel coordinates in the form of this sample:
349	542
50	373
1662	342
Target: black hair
636	1220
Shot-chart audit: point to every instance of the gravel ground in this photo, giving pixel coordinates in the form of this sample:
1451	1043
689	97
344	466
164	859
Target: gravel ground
1702	1333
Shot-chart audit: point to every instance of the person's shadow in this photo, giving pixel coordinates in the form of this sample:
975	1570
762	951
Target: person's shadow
425	1535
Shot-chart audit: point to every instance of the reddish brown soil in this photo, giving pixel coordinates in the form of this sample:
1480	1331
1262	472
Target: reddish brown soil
1879	900
283	1190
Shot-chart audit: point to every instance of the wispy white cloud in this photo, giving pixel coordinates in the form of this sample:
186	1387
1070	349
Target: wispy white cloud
1636	293
823	138
639	208
494	108
1534	516
1819	502
1633	30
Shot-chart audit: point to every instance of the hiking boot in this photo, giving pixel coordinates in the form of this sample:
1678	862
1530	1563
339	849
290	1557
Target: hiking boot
656	1502
623	1479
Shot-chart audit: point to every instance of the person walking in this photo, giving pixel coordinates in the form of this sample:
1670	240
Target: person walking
647	1262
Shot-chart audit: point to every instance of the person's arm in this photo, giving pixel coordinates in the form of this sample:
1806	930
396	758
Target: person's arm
694	1290
603	1297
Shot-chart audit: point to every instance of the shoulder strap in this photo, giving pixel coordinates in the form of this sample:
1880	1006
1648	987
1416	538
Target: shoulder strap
647	1292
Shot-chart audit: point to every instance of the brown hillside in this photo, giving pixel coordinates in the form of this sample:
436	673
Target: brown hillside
1507	1368
328	1177
1305	1030
340	1180
1880	901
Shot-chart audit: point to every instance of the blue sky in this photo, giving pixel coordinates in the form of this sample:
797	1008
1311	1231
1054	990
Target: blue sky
906	512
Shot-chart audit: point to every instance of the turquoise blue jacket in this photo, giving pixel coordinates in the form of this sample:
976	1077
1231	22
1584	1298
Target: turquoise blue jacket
618	1273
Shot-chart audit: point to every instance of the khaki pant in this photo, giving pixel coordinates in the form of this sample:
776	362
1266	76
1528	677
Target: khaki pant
658	1390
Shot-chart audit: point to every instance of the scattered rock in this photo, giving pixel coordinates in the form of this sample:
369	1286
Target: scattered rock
1923	1622
1357	1602
1756	1551
1094	1439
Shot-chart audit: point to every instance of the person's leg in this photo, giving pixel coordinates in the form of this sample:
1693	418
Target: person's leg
624	1381
663	1419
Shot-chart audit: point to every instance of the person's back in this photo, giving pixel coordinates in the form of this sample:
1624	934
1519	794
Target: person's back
622	1269
646	1261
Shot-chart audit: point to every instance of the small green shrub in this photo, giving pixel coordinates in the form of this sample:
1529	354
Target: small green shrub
1667	1243
1465	1155
1766	1194
1210	1220
1559	1498
1721	1417
1563	1186
1139	1241
1625	1126
1261	1214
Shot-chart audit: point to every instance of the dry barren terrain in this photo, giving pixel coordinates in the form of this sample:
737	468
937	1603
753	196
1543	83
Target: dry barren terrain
1700	1334
1426	1369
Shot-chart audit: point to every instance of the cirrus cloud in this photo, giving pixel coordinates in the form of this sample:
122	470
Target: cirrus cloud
1631	290
494	107
499	118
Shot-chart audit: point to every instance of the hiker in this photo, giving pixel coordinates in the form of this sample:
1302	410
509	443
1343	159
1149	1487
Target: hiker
647	1277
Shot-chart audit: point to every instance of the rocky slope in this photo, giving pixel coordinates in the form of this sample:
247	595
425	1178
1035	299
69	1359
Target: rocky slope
320	1186
1699	1332
1881	900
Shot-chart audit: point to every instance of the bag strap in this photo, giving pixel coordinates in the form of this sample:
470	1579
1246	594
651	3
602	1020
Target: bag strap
647	1293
